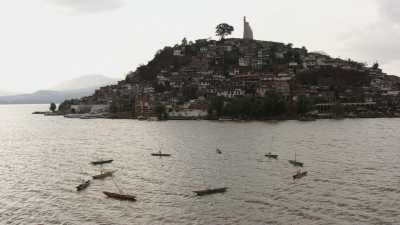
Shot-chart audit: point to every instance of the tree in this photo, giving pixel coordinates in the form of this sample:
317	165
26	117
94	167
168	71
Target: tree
304	49
161	112
184	42
304	104
338	110
223	30
375	66
215	107
53	107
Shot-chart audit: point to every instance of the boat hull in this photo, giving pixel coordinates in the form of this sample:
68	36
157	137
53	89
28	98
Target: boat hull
272	156
104	175
102	162
210	191
120	196
295	163
299	175
83	186
160	154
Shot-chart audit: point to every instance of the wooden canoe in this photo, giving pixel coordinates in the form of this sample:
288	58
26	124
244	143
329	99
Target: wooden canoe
122	197
104	175
83	186
102	162
210	191
160	154
299	175
296	163
271	156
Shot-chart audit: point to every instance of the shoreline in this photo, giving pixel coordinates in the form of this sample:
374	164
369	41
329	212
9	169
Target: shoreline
221	119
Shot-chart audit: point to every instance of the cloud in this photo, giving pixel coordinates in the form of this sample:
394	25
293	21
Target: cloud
390	9
88	6
379	40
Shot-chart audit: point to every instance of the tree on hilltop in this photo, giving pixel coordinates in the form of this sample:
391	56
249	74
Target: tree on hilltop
375	66
223	30
184	42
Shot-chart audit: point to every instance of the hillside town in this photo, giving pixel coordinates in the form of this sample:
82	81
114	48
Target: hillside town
244	78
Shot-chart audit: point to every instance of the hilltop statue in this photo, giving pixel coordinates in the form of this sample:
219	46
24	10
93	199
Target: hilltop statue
223	30
247	31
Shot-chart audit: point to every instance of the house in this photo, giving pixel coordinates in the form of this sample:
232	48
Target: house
231	93
244	61
178	52
196	108
144	106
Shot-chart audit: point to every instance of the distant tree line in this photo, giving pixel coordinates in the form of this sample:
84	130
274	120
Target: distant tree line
272	105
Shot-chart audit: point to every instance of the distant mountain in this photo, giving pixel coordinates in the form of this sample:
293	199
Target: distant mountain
84	82
76	88
5	93
45	97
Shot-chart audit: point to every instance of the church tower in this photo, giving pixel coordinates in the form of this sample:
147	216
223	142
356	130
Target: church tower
247	31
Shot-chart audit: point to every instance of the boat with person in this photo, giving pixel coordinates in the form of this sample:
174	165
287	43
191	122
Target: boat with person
160	154
271	156
104	175
83	185
100	162
120	195
123	197
299	175
211	191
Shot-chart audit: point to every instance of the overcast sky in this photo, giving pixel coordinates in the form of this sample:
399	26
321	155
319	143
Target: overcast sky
43	42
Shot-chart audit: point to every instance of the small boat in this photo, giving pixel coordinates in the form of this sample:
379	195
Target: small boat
100	162
219	151
295	162
83	186
104	175
271	156
141	118
299	175
160	154
123	197
40	112
210	191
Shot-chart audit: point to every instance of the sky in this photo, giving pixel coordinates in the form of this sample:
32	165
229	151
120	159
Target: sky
45	42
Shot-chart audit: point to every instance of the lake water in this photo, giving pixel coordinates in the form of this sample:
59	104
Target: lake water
353	166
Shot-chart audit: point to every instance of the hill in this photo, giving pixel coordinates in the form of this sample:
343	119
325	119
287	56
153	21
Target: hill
45	97
71	89
248	79
84	82
5	93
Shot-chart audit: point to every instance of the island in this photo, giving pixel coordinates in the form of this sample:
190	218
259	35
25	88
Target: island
243	79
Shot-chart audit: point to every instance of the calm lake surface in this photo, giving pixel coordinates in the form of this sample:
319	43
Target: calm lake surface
353	165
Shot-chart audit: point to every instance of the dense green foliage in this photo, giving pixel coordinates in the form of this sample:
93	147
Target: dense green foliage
161	112
304	105
164	59
53	107
272	105
335	77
